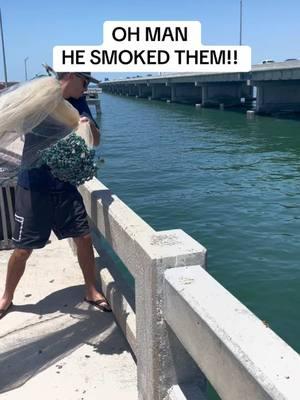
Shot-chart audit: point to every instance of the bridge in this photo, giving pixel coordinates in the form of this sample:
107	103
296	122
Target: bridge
277	88
182	328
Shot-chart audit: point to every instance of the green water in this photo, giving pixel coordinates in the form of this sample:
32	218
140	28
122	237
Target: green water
230	183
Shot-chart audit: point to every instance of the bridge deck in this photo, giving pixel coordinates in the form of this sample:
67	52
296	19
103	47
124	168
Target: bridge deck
54	344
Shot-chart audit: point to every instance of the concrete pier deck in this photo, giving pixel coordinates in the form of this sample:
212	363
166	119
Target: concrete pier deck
53	345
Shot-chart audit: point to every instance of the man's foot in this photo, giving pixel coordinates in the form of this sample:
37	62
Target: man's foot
4	311
101	304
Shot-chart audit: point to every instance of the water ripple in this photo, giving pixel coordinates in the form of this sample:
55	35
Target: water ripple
231	183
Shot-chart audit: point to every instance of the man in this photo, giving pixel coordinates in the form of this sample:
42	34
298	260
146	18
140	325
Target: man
38	190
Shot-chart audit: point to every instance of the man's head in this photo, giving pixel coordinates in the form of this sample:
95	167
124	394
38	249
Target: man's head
74	84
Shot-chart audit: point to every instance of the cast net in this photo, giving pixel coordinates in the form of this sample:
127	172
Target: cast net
34	118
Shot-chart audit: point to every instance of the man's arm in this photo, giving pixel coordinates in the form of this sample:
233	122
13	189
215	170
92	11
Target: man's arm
86	116
95	131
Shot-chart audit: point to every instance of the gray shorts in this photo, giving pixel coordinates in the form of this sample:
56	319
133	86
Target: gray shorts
38	213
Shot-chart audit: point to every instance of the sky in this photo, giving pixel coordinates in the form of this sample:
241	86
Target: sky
31	28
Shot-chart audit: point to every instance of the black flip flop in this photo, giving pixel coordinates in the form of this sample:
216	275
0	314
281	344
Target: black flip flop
4	312
102	305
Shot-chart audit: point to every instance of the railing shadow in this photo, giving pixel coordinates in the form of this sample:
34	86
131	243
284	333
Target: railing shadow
113	290
106	197
41	343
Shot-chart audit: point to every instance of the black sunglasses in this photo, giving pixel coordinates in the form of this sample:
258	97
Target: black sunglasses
86	80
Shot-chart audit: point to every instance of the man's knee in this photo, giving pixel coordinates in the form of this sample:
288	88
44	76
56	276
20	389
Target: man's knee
22	254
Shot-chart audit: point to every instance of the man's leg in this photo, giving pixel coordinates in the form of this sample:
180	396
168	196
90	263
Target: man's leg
70	219
32	230
87	264
15	270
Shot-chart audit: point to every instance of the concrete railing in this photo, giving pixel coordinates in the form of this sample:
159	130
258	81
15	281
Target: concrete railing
183	321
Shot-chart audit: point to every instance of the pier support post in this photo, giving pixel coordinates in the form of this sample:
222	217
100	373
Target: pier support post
162	361
250	114
204	95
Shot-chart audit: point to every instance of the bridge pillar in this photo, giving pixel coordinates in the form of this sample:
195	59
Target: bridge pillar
229	94
186	93
122	89
204	94
161	92
132	90
246	91
144	91
118	89
278	96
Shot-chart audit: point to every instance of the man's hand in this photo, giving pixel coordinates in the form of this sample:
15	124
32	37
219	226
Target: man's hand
95	131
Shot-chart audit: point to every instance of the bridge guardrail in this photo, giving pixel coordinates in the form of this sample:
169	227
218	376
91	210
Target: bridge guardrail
183	319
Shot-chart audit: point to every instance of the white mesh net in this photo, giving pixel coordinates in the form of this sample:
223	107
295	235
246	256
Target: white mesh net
37	108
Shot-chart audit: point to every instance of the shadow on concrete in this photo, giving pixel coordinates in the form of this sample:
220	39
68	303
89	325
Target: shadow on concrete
113	291
107	199
41	343
120	275
64	300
